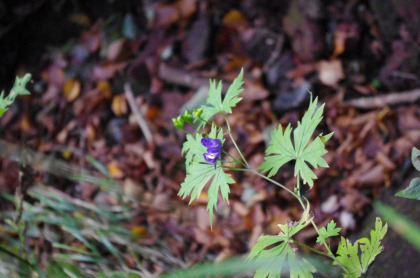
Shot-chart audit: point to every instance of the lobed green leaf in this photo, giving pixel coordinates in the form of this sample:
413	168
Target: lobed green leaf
348	253
200	173
281	149
330	231
282	256
214	103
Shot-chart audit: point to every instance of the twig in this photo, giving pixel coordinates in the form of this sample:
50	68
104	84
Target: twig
383	100
185	78
139	117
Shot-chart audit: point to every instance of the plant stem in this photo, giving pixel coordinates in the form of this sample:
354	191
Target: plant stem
298	185
235	159
272	181
234	169
310	248
330	253
233	140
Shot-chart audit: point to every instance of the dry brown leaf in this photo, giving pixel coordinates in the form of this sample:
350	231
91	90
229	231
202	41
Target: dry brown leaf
119	105
118	51
330	72
340	38
236	20
107	70
114	170
133	189
25	124
104	87
240	208
254	90
71	89
62	135
372	177
186	7
90	133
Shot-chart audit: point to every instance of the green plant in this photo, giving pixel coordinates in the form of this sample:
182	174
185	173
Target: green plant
52	234
413	190
17	89
274	254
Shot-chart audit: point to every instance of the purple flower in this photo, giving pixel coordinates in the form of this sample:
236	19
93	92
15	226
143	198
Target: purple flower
214	147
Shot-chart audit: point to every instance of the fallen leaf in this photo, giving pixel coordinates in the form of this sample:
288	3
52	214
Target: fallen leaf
114	170
330	72
118	51
71	89
25	124
119	105
236	20
138	231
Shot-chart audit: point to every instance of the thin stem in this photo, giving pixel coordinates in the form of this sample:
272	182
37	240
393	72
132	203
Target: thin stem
273	181
234	169
310	248
233	140
330	253
234	158
298	185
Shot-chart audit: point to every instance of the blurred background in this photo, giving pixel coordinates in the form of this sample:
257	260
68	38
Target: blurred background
97	161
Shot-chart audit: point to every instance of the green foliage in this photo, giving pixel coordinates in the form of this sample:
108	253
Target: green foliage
272	256
79	232
281	149
330	231
415	158
17	89
348	253
282	255
214	103
200	172
413	190
187	118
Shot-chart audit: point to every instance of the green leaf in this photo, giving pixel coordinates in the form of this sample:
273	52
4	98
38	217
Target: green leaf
214	102
415	158
281	149
20	84
18	89
369	249
200	172
231	98
281	256
412	191
330	231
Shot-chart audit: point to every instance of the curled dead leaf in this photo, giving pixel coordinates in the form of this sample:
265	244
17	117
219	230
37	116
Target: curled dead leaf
71	89
119	105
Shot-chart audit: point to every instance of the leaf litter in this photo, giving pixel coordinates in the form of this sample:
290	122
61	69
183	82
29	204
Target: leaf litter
82	110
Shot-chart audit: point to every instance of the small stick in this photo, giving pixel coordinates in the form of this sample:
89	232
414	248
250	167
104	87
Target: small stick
383	100
139	117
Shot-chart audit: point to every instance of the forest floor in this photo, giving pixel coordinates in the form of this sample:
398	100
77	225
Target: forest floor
97	68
